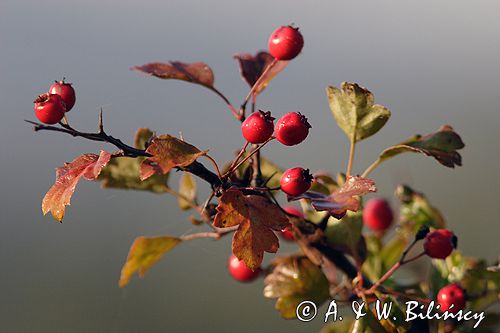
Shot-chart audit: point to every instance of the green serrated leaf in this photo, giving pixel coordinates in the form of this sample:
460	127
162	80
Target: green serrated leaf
442	145
187	188
346	231
353	109
295	279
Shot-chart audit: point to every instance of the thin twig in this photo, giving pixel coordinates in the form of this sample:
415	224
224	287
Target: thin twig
248	156
351	157
258	82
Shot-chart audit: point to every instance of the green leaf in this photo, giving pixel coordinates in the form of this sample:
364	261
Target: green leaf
187	188
353	109
392	251
417	211
343	326
144	253
295	279
123	172
346	231
442	145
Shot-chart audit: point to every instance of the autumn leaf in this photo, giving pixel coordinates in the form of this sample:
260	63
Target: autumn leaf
123	172
252	67
355	112
257	217
341	200
88	166
293	280
168	152
442	145
197	72
143	254
187	188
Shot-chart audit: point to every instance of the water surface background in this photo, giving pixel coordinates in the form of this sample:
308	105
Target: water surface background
430	62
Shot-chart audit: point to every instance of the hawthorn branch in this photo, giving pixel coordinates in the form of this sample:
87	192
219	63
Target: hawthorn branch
196	168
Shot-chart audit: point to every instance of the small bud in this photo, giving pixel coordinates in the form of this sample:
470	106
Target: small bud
422	232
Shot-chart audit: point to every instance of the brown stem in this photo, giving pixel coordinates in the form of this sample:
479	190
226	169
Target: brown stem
215	165
248	156
258	82
242	151
235	113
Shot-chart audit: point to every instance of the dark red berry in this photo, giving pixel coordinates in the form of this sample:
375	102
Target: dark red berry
258	127
49	108
295	181
450	295
377	214
66	91
286	233
292	129
285	43
440	243
240	272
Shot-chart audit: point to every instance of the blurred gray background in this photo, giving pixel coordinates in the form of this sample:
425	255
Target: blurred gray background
429	62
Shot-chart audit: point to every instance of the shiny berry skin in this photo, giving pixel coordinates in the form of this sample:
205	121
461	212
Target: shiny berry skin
292	129
258	127
286	233
451	294
285	43
440	243
66	91
377	214
295	181
240	272
49	108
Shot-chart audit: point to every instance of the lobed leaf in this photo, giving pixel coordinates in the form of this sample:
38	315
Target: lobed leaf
295	279
187	188
143	254
197	72
342	199
88	166
353	109
253	66
416	210
168	152
123	172
257	217
442	145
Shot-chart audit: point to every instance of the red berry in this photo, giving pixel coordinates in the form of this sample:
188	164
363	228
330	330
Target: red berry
292	129
451	294
440	243
258	127
286	233
66	91
295	181
285	43
49	108
240	272
378	214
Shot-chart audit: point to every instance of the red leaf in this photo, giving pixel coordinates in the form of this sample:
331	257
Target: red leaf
343	199
252	67
59	195
168	152
197	72
257	217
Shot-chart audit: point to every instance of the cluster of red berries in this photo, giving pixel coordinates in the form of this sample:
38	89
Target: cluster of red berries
50	107
290	130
